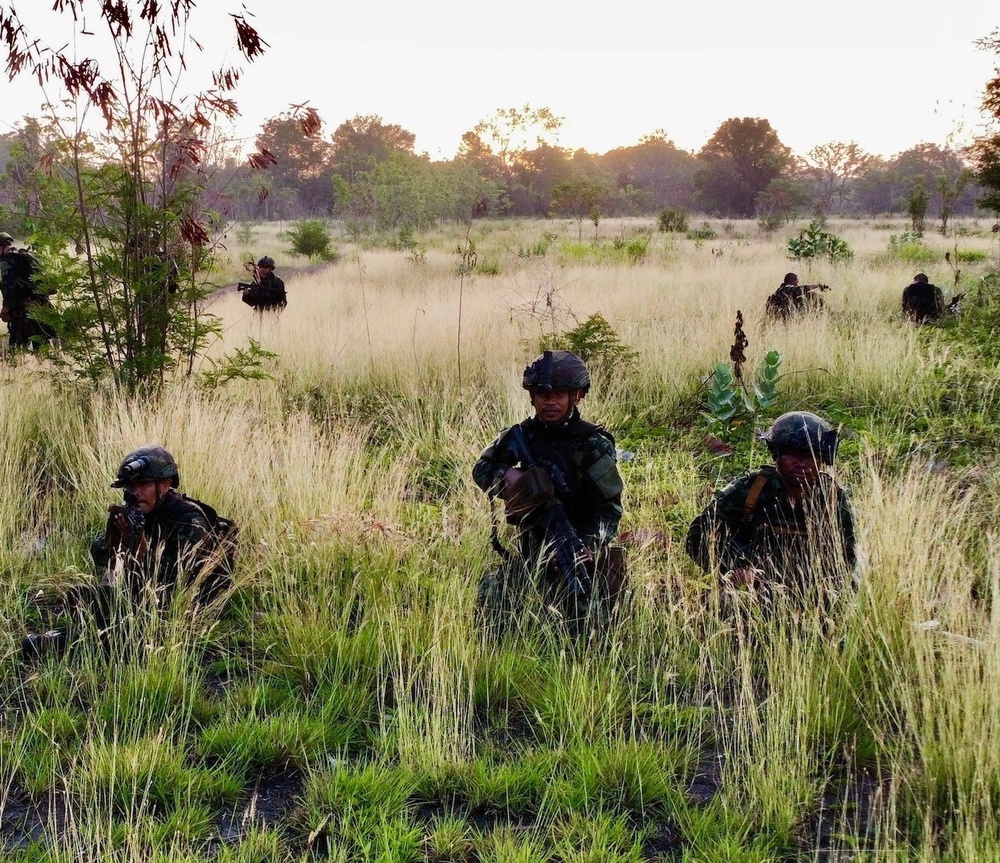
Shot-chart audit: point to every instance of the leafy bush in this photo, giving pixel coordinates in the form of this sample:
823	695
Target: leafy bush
705	232
310	237
728	400
673	219
537	249
594	341
814	242
909	247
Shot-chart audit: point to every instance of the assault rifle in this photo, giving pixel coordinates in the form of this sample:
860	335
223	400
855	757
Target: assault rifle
568	549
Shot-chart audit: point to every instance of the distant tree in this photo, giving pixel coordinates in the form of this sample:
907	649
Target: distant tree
363	141
737	164
917	205
128	305
780	202
986	150
509	133
878	189
533	177
579	198
654	166
516	148
833	167
302	162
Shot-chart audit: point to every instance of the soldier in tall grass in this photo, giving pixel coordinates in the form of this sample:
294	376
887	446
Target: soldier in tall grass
155	541
558	477
783	528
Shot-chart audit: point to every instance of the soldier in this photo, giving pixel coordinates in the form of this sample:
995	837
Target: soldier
791	298
154	541
784	527
922	301
20	295
267	291
558	477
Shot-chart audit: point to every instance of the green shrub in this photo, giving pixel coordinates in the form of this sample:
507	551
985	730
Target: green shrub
310	237
705	232
814	242
673	219
910	248
594	341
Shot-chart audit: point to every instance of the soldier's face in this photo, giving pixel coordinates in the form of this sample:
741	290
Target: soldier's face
797	469
148	493
553	406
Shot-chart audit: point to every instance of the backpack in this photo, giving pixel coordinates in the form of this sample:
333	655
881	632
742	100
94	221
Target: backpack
225	531
25	268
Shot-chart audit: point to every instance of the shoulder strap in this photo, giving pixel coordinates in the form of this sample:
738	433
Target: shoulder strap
756	488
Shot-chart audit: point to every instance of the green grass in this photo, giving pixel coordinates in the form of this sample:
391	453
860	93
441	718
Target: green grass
351	676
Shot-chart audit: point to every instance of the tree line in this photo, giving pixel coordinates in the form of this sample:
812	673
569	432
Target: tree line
367	173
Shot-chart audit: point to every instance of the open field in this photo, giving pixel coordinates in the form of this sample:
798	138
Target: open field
348	707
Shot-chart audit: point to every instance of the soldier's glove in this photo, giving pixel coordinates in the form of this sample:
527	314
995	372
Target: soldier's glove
125	529
524	491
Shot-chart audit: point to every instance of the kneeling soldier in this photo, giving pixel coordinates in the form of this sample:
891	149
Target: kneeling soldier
558	477
785	527
154	541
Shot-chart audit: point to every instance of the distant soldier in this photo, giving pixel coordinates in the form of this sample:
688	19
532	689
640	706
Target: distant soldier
20	296
266	292
558	477
791	298
783	527
922	301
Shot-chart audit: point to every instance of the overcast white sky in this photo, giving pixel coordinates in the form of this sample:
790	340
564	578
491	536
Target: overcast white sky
887	75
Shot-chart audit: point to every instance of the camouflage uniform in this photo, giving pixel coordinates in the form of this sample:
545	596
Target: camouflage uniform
794	544
19	296
174	542
922	301
585	455
791	300
266	292
180	544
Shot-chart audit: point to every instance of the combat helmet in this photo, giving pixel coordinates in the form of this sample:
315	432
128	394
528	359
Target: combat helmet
556	370
147	462
6	239
266	261
802	433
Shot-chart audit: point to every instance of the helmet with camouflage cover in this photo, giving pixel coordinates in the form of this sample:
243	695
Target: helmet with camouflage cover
556	370
6	239
145	463
266	261
802	433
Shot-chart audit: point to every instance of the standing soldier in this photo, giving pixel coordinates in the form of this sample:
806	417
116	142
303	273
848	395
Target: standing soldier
922	301
20	295
785	527
558	477
267	291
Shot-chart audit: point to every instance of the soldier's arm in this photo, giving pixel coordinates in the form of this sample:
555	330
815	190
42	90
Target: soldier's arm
846	517
604	491
493	463
714	536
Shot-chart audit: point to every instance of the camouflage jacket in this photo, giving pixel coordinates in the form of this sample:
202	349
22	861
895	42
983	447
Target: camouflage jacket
268	293
181	546
584	455
923	302
793	543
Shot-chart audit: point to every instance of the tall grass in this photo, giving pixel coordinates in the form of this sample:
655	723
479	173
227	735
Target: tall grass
352	666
